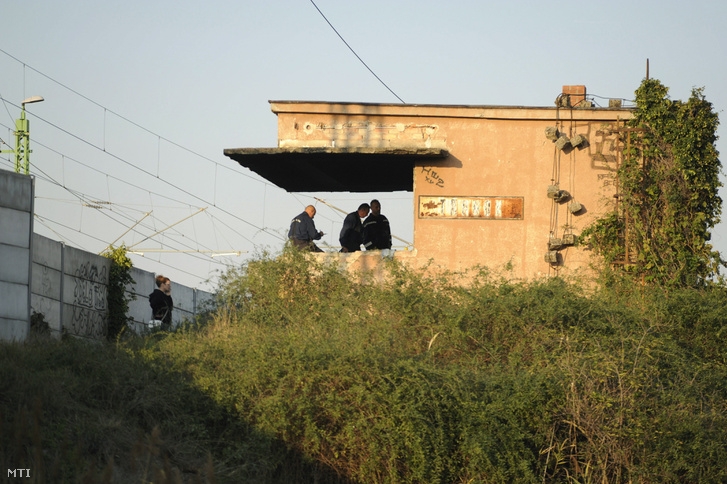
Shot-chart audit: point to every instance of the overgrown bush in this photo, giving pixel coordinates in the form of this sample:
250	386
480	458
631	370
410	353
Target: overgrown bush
419	379
306	374
668	196
117	297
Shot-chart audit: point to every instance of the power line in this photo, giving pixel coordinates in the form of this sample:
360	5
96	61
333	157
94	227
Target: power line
121	117
45	221
354	53
81	196
146	173
90	201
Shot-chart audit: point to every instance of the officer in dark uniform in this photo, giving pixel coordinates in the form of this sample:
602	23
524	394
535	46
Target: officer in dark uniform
303	231
376	230
351	236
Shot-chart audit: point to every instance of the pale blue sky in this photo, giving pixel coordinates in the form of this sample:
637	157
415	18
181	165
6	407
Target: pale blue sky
190	79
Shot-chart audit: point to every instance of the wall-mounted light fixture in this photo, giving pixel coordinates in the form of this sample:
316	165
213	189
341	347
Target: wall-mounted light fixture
563	143
574	207
551	257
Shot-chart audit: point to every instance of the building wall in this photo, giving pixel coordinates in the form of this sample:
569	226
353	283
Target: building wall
16	225
486	204
506	159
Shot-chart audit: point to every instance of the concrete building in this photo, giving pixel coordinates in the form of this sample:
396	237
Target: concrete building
492	185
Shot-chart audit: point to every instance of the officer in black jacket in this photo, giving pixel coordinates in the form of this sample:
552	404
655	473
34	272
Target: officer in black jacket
351	236
376	230
303	231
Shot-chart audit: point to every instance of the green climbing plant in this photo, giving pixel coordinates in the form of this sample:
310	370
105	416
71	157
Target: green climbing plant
117	298
669	182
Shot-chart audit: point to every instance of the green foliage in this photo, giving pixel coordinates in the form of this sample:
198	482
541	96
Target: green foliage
669	182
313	375
419	379
117	298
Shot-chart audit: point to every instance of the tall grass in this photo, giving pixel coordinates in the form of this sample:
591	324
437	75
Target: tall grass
306	374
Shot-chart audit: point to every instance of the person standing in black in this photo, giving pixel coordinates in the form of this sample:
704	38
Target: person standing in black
161	302
376	230
351	236
303	231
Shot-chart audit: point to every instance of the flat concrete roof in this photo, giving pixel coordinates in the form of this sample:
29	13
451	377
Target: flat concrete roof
327	169
368	169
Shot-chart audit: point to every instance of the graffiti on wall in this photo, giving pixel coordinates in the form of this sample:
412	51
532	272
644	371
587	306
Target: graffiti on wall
607	179
90	290
89	301
432	177
90	324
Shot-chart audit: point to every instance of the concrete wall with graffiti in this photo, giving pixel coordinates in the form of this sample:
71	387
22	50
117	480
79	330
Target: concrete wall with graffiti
69	288
16	225
66	286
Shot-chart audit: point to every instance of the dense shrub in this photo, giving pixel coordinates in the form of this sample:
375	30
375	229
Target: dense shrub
306	374
420	379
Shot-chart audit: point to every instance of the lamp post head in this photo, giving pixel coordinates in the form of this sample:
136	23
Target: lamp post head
33	99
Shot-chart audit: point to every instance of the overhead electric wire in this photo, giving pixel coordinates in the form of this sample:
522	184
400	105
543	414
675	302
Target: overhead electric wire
124	118
354	53
80	196
139	187
159	137
119	158
43	220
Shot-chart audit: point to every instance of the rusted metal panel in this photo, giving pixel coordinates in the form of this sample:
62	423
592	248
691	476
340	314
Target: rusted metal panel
474	208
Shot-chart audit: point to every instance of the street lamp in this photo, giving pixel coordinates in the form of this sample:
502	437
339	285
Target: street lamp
22	138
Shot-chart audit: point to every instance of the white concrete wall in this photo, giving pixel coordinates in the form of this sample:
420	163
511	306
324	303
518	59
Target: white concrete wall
77	281
68	286
46	288
16	227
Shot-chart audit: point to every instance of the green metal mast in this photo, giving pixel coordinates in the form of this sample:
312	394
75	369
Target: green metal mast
22	139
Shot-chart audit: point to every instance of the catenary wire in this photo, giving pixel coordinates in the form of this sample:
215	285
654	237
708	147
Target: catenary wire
354	53
81	196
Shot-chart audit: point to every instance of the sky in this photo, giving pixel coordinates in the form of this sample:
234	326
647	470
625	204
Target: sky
141	99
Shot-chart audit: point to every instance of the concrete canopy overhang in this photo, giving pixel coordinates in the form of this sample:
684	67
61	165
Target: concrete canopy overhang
328	169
